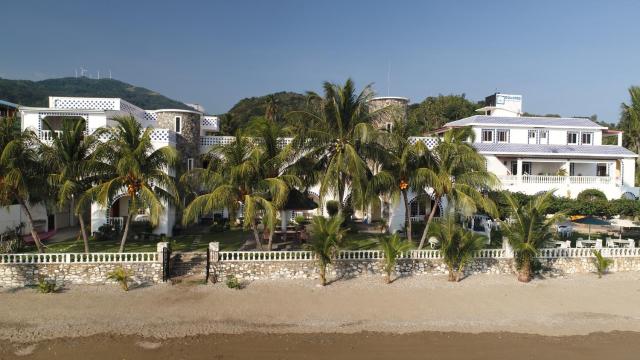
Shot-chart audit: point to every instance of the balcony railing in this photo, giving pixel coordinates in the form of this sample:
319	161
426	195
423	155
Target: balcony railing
49	135
508	180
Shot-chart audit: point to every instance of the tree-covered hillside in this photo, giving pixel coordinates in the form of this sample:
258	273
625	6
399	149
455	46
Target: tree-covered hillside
36	93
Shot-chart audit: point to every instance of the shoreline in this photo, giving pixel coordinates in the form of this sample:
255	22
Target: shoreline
572	305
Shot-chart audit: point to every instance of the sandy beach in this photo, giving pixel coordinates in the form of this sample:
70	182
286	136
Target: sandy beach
295	312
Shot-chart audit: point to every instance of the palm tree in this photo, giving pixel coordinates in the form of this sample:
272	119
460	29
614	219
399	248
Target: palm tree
134	166
234	179
457	245
21	170
338	135
326	237
392	246
399	169
75	169
630	122
528	230
456	171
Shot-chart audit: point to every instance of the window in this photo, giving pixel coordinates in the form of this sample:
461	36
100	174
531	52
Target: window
178	124
572	169
533	136
587	138
526	168
544	136
503	136
388	125
514	167
601	169
572	138
190	164
487	135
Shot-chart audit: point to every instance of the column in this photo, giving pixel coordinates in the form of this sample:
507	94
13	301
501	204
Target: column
567	169
620	138
519	169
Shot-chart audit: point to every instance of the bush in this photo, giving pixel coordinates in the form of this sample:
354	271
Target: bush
11	241
219	225
106	232
602	263
122	276
625	207
333	206
591	195
233	282
46	287
301	220
139	227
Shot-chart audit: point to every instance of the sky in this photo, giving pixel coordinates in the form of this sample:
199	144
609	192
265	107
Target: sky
575	58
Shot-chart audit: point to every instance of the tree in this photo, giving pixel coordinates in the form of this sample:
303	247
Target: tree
21	170
456	171
529	230
392	246
136	168
630	124
457	245
337	134
399	169
234	179
326	237
74	168
591	195
435	111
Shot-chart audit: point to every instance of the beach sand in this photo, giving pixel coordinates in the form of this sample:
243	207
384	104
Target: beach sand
412	315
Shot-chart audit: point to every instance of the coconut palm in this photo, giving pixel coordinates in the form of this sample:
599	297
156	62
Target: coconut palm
630	122
236	179
457	244
326	237
602	263
74	168
392	246
338	135
21	170
400	166
137	169
529	230
456	171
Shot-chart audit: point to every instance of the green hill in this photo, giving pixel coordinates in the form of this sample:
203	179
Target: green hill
246	109
36	93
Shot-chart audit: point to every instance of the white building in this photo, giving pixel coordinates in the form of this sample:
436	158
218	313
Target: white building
186	130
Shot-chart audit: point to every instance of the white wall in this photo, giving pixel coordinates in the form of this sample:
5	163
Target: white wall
12	216
520	135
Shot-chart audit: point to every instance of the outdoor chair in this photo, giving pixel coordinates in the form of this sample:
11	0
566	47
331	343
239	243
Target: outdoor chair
598	243
610	243
632	243
433	242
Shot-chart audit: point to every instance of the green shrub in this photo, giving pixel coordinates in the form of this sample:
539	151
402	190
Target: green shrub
602	263
122	276
107	232
11	241
139	227
301	220
46	287
233	282
591	195
333	206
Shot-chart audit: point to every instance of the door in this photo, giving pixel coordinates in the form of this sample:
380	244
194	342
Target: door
51	222
533	137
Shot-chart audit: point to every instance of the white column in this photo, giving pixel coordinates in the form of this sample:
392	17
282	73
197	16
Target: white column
519	169
620	139
284	219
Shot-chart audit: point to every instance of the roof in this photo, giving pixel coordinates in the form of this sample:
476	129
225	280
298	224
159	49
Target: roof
8	104
555	150
528	121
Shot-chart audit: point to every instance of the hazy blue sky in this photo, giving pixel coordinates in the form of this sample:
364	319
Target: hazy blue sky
568	57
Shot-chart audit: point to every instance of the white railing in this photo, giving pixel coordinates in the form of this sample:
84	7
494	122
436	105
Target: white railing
490	254
588	252
429	141
553	179
49	135
79	258
265	255
207	141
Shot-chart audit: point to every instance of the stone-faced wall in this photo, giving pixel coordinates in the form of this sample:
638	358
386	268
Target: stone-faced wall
18	275
396	110
188	140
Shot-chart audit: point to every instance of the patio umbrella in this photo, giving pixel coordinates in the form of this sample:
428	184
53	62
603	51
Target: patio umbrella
591	220
622	223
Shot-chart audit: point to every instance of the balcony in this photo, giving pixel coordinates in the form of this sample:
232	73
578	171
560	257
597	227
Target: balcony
47	136
510	180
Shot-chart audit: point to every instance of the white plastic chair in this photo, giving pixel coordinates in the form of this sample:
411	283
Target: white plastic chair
632	243
610	243
433	242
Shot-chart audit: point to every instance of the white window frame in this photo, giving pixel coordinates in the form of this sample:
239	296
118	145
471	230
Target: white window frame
488	131
177	124
535	137
506	136
606	169
577	134
389	127
190	164
590	138
546	137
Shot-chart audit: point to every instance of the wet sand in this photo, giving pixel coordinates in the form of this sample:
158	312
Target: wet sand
366	345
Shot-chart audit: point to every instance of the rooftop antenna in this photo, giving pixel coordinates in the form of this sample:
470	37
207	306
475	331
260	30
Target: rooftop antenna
389	78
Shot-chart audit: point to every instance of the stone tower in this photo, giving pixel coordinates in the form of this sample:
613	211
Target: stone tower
186	124
396	110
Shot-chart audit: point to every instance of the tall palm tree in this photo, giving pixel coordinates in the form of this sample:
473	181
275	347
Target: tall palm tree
326	237
399	169
74	168
338	134
234	179
21	170
457	245
135	167
456	171
529	230
392	246
630	123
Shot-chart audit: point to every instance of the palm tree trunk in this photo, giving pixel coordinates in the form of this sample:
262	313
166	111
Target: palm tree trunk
452	274
323	274
388	277
34	234
426	226
83	230
126	232
407	215
525	272
340	194
256	235
270	245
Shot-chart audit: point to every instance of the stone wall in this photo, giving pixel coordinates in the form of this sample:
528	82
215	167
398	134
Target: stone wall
18	275
188	141
188	263
396	110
